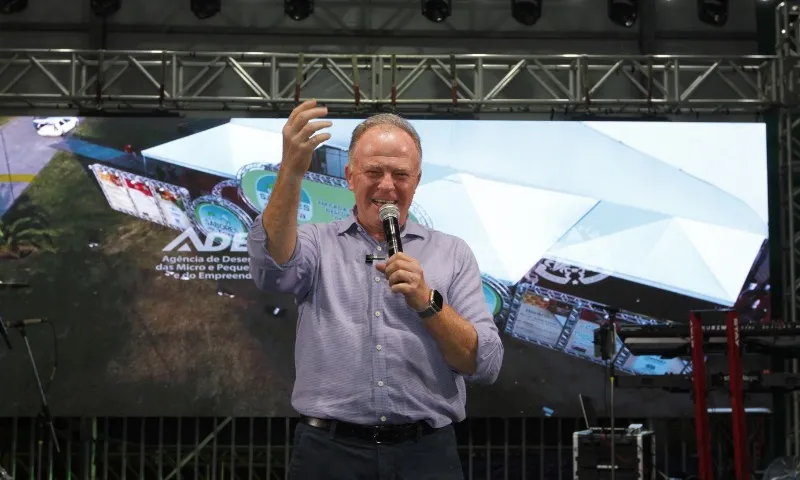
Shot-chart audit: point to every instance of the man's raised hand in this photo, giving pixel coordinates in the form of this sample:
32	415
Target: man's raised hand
300	136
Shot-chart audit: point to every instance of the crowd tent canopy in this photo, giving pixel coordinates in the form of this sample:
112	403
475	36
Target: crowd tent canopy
518	192
221	150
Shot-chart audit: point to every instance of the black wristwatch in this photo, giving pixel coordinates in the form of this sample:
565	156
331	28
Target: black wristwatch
435	305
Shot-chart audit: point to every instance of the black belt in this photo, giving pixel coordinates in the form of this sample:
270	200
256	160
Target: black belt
375	434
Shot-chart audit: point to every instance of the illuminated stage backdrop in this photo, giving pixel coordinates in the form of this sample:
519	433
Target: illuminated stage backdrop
133	235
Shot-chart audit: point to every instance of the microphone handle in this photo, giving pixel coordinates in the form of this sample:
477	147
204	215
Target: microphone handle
391	231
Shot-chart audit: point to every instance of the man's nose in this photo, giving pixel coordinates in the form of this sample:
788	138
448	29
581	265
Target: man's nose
387	182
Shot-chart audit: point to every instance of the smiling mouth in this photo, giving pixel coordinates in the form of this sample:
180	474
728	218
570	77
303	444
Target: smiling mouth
383	202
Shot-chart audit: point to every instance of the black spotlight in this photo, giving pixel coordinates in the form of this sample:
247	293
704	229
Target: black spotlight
623	12
105	8
713	12
526	12
437	11
13	6
298	9
204	9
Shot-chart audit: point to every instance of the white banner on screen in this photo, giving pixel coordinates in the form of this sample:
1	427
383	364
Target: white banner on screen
678	206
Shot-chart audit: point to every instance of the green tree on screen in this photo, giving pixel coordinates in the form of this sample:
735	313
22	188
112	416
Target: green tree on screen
24	231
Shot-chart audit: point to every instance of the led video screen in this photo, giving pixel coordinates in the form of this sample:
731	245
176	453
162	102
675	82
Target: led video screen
135	247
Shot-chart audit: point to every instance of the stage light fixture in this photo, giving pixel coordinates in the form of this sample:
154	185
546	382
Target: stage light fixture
713	12
298	9
204	9
12	6
526	12
105	8
437	11
623	12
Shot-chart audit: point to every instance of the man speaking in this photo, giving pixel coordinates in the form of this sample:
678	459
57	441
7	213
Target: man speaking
384	345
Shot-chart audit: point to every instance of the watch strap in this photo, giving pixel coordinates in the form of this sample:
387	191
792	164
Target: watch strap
433	308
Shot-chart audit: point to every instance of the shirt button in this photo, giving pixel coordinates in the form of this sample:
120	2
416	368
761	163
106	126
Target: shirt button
378	347
378	313
380	383
383	419
379	248
377	279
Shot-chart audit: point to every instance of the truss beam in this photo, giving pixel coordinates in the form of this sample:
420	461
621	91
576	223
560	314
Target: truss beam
236	81
787	30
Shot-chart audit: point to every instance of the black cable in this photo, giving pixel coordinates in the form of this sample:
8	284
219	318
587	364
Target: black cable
55	356
606	396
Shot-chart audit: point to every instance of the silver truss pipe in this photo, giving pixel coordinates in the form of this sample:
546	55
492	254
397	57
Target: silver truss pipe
181	81
787	31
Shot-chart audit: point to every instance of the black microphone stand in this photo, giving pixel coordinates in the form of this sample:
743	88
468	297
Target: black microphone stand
4	333
605	340
45	413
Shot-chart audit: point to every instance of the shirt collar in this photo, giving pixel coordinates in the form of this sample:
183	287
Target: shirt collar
411	228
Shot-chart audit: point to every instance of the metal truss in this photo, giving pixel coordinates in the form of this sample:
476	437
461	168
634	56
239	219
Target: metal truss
787	30
263	82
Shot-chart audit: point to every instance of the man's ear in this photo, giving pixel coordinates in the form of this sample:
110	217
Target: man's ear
348	175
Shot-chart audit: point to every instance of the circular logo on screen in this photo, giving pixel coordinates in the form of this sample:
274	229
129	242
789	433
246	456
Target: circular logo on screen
262	185
304	211
214	218
418	215
497	297
215	215
492	298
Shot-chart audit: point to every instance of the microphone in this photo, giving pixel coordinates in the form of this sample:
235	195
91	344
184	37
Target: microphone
390	216
24	323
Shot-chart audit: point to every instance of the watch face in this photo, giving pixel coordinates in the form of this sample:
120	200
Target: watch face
438	301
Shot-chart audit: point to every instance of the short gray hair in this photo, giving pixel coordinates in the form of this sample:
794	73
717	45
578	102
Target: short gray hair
383	120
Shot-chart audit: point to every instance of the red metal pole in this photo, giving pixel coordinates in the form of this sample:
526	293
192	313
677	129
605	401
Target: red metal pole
737	396
701	426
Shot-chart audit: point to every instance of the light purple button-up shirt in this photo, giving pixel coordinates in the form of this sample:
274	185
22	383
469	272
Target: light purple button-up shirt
362	355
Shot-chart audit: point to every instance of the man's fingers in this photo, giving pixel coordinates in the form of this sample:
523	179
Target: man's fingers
311	128
393	278
400	264
300	109
403	276
403	288
317	140
306	116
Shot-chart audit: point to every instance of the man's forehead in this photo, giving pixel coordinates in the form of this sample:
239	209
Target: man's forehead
388	165
385	138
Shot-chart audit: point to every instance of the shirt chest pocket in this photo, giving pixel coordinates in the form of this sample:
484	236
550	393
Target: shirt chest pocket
439	280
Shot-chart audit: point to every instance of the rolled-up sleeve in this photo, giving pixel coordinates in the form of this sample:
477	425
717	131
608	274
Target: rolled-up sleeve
467	299
296	275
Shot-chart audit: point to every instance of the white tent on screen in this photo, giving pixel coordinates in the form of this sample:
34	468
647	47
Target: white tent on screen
691	220
511	227
221	150
674	212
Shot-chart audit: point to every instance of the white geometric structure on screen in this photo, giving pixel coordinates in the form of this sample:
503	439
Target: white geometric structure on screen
678	206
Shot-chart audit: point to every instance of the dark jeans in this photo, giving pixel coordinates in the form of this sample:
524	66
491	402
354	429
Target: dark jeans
319	455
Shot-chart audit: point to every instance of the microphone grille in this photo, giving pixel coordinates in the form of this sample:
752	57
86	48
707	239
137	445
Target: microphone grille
389	210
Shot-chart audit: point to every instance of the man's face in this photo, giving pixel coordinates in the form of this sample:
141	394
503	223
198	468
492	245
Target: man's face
385	167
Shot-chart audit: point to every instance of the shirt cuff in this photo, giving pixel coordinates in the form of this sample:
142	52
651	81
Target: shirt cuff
488	358
257	244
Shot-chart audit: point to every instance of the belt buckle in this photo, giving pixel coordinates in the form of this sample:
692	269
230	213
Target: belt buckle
376	434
